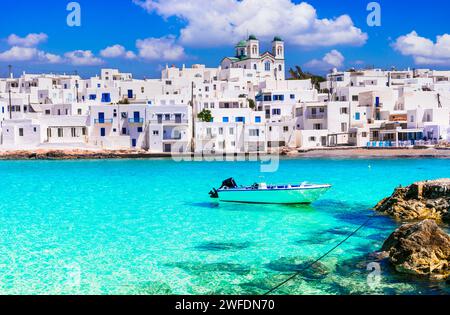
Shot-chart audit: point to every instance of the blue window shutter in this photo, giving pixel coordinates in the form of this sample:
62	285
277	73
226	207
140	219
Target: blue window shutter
225	119
106	97
257	119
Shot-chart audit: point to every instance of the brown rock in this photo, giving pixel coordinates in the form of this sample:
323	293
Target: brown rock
421	249
419	201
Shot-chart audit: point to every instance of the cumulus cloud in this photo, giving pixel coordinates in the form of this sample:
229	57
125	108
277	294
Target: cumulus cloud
333	59
31	40
163	49
424	50
117	51
23	49
17	53
222	22
83	58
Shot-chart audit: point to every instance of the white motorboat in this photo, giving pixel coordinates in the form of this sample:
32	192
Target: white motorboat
304	193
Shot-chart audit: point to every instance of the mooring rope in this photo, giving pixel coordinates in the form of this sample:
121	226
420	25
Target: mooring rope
297	273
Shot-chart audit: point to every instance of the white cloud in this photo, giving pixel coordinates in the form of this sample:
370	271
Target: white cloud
31	40
333	59
130	55
424	50
117	51
223	22
17	53
162	49
83	58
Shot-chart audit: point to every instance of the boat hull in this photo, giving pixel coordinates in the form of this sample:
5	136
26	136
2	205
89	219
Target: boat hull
272	196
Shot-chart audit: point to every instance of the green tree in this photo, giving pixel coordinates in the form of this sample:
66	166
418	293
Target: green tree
299	74
205	115
251	103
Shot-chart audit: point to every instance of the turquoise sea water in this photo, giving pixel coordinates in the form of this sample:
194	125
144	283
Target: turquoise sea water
149	227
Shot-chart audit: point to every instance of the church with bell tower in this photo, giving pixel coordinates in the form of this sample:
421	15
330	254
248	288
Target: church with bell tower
269	64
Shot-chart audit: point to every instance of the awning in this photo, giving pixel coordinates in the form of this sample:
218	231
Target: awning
36	108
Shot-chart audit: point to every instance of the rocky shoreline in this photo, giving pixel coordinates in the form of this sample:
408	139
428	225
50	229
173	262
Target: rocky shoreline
78	155
344	153
419	201
419	248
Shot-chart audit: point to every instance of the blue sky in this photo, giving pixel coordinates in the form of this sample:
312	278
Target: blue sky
186	34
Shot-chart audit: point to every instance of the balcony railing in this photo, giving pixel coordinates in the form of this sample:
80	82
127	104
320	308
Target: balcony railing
316	116
174	137
169	121
136	120
103	121
208	137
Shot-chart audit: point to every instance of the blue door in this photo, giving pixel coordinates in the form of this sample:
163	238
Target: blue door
137	117
101	118
102	132
130	93
133	143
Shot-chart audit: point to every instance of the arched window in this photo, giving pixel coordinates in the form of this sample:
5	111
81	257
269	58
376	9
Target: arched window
254	66
280	68
255	49
280	51
267	65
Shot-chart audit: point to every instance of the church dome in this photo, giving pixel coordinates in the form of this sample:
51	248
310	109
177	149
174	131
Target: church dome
252	37
242	43
277	39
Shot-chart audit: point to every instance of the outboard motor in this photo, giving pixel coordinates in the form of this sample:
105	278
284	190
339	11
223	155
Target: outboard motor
213	193
228	183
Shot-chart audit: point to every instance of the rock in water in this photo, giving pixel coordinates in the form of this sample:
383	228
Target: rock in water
419	201
420	249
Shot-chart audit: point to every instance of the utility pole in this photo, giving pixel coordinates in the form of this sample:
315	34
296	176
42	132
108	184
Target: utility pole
9	91
10	102
193	119
76	88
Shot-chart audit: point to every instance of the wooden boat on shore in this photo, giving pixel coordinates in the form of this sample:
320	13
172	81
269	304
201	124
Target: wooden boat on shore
304	193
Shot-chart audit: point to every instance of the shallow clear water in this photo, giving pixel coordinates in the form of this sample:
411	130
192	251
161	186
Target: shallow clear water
149	227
